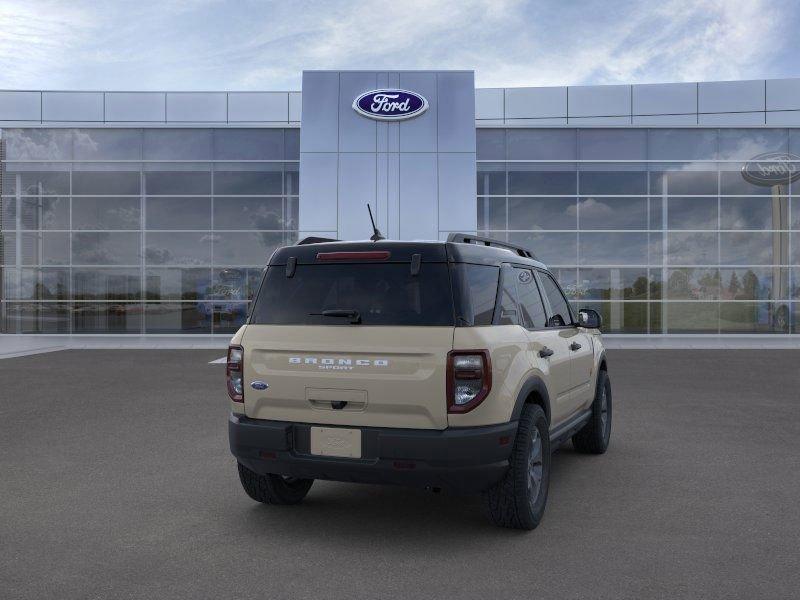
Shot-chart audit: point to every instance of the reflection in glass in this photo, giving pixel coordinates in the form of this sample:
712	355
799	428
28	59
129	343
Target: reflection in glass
753	248
621	317
177	284
264	181
693	284
178	183
41	212
105	248
522	181
105	213
491	179
691	317
45	248
692	248
754	213
491	144
612	248
174	212
754	283
612	213
107	317
177	248
248	144
248	213
682	144
611	182
106	284
541	213
28	182
550	248
492	213
683	183
185	317
241	249
178	144
753	317
40	284
613	284
117	183
612	144
236	283
36	317
541	144
692	213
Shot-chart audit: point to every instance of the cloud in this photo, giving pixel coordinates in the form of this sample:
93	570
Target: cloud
207	44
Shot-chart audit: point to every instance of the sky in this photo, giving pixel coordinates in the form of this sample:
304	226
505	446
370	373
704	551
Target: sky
263	45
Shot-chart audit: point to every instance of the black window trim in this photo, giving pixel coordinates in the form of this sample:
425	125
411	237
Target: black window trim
543	297
573	324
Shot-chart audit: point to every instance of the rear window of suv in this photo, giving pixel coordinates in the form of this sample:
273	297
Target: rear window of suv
381	293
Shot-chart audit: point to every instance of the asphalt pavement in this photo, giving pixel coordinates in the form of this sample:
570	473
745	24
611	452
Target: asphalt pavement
116	482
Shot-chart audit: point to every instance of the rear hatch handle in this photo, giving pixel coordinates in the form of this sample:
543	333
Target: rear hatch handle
353	315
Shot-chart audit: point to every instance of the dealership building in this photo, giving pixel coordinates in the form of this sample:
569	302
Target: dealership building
671	209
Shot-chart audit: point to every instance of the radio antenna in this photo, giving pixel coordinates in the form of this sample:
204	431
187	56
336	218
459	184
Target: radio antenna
376	235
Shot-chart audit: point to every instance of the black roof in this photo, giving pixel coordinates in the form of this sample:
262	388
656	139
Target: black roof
402	251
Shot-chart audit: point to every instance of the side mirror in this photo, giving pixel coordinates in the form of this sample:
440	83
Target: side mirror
590	319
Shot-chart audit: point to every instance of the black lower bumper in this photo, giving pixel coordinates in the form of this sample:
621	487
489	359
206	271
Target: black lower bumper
466	459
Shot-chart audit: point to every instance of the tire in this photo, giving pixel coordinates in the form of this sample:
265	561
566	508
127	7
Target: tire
595	435
518	500
273	489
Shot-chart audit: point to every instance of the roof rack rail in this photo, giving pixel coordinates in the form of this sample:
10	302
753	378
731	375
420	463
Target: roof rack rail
314	240
465	238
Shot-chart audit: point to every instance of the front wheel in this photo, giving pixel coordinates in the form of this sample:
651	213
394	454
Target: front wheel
273	489
595	435
519	499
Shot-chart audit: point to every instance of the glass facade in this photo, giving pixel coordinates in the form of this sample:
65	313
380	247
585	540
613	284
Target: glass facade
141	230
657	229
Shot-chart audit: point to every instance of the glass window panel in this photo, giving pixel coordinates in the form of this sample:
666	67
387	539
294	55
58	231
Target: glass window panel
613	284
794	288
683	183
656	321
550	248
656	284
47	248
8	248
106	248
738	143
795	257
177	284
107	144
44	212
175	212
656	213
106	284
754	283
228	317
178	144
105	213
692	317
528	180
541	144
753	317
8	213
186	317
795	317
692	248
559	306
291	142
754	213
291	213
612	213
692	213
492	213
567	278
291	178
248	144
754	248
612	182
491	179
35	317
176	248
612	249
248	213
245	248
38	144
178	183
795	218
35	182
542	213
490	144
693	284
682	144
236	283
612	144
107	317
732	182
266	180
42	284
118	183
621	317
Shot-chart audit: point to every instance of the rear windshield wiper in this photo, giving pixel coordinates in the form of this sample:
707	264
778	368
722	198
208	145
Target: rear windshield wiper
353	315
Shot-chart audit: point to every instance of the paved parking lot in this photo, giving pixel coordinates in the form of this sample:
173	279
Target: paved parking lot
116	482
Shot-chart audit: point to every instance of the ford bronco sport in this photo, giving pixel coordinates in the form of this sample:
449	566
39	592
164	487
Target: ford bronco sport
453	365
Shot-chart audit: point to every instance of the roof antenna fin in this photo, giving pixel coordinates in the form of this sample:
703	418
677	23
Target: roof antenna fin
376	235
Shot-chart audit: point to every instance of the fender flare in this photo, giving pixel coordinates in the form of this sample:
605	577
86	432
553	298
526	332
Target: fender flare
532	384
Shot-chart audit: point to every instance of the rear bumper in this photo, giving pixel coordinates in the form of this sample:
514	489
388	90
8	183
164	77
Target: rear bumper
467	459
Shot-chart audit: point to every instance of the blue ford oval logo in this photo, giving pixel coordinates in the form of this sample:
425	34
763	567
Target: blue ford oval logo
390	105
259	385
772	168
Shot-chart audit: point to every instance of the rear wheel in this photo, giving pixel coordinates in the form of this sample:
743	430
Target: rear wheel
518	501
273	489
595	435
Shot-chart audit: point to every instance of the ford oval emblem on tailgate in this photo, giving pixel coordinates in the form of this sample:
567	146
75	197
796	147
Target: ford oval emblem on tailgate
259	385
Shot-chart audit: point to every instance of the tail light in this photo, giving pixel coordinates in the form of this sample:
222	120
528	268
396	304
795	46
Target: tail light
235	373
469	379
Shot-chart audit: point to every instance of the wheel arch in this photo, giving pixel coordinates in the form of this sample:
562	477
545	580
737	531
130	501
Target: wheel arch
533	391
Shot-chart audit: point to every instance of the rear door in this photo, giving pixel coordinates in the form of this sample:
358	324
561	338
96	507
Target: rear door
382	365
543	339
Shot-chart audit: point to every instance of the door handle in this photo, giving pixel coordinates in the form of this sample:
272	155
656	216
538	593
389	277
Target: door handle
545	352
574	346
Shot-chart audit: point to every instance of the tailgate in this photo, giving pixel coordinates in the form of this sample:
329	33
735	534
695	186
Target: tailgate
381	376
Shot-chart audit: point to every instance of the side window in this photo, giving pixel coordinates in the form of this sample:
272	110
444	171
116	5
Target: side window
477	292
530	301
558	304
506	313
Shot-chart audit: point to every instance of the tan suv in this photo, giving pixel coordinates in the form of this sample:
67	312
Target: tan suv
453	365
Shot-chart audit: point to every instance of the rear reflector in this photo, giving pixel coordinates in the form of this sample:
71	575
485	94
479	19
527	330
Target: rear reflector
370	255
